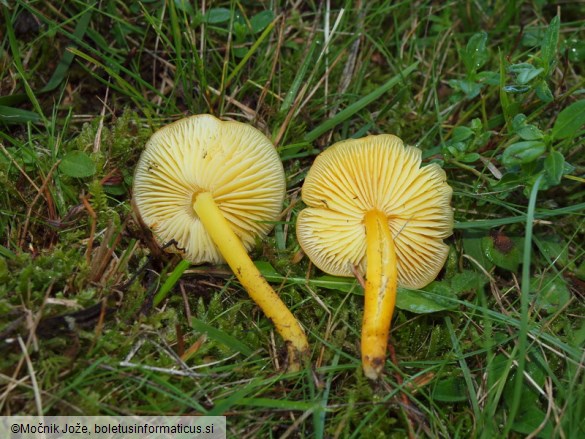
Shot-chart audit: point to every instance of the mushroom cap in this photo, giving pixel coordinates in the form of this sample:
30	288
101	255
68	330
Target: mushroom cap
233	161
353	177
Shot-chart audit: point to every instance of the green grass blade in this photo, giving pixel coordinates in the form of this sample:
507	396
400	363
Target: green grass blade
300	76
220	336
10	115
250	52
168	285
524	299
235	398
277	404
464	368
540	214
63	67
124	86
328	282
320	413
357	106
17	62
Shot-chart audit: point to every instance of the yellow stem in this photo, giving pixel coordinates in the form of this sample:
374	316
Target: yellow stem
259	290
380	292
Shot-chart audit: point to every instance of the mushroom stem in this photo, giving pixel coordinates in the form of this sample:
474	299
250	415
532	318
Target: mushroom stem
259	290
380	292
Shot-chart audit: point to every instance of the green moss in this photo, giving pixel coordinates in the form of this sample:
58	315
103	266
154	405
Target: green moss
28	277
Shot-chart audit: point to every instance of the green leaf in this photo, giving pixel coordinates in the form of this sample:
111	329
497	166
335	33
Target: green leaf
525	72
261	20
518	122
475	54
550	291
217	16
12	115
115	190
530	419
77	164
489	78
457	148
525	76
530	132
555	249
241	30
452	389
516	88
472	246
482	139
554	165
548	47
416	302
468	281
469	88
505	102
461	133
532	37
470	157
503	251
516	68
476	125
523	152
425	301
184	6
569	121
543	92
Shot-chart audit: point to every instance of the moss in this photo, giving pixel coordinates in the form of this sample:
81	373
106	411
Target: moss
28	277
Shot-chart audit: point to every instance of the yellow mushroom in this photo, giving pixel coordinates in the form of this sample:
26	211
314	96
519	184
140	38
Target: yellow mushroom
372	207
213	187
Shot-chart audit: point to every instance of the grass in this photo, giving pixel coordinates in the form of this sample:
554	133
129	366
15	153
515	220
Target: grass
492	91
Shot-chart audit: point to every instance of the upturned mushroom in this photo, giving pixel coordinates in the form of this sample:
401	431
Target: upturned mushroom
374	209
212	187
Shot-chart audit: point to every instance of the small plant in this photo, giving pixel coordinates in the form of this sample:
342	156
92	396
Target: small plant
474	56
535	75
539	152
465	141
